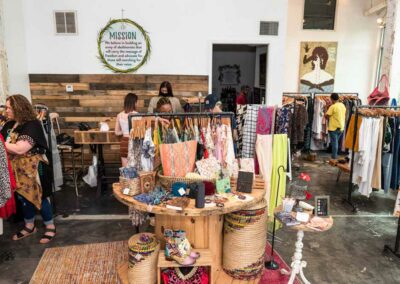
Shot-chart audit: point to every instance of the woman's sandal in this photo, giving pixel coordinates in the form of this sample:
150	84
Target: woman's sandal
47	237
29	232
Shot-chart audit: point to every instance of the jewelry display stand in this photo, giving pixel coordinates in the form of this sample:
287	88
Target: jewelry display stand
203	227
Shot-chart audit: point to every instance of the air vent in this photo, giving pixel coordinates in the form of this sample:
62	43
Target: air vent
65	22
269	28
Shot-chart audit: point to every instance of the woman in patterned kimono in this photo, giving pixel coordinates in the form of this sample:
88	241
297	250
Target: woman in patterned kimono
27	147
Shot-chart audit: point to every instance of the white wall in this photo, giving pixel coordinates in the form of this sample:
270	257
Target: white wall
15	44
182	33
246	62
357	37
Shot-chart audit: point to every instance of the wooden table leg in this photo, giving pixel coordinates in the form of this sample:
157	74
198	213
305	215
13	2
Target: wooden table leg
100	170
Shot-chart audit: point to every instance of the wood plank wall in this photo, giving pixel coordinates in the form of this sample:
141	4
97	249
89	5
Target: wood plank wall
100	97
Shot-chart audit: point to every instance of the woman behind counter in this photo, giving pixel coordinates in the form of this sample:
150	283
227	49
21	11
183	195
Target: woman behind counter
165	91
122	126
27	146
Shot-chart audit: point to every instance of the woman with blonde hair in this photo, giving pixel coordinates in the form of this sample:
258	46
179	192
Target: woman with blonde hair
27	147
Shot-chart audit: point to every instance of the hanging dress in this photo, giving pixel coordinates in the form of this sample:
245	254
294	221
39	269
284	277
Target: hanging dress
7	184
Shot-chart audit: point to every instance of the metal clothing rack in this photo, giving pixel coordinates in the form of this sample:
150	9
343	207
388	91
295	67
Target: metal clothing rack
297	97
339	93
49	143
185	114
350	188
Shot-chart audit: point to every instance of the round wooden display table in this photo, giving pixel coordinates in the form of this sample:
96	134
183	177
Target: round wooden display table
298	263
203	226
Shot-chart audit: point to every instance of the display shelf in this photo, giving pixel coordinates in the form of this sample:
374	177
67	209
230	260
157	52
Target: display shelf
258	193
205	259
203	227
220	276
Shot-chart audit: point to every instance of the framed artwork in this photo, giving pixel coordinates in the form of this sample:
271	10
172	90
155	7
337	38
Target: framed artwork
317	67
229	74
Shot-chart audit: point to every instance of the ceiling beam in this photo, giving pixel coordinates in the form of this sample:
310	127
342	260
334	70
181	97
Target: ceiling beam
375	9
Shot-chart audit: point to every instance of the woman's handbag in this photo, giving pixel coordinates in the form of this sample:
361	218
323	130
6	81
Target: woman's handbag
178	159
378	97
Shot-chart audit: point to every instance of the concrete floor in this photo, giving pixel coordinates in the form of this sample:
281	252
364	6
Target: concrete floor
351	252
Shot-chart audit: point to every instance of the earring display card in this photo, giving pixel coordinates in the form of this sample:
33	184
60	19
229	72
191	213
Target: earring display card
322	206
245	182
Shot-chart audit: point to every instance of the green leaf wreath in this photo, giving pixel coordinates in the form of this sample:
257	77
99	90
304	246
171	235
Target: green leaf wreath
101	56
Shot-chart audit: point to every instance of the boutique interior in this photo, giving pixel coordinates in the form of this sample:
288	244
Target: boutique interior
141	144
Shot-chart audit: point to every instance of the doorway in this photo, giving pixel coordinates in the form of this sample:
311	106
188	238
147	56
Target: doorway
235	67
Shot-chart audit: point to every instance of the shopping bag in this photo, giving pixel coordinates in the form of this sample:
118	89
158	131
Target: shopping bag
178	159
91	177
380	97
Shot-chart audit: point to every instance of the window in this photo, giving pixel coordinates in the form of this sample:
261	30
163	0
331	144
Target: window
65	22
319	14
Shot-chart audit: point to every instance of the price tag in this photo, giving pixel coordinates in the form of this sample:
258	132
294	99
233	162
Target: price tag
126	191
138	257
181	191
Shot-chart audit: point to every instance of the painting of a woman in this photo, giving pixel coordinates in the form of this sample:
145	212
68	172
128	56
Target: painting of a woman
316	77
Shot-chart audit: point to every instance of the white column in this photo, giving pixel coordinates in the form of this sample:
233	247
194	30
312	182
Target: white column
395	64
15	44
4	87
391	56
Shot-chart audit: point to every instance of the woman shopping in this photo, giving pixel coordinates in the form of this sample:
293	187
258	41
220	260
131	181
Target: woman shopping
122	125
27	148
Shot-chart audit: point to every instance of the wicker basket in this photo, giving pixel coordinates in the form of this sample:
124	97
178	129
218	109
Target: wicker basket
132	184
245	235
143	256
167	181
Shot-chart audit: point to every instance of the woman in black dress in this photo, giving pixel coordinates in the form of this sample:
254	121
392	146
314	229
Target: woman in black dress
27	148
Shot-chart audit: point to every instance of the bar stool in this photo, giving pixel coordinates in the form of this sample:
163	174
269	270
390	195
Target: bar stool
71	152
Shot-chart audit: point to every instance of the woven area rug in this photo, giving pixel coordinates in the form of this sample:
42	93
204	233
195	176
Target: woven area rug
91	263
275	276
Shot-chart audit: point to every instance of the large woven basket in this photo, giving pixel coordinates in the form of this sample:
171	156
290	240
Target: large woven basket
245	237
167	181
143	256
132	184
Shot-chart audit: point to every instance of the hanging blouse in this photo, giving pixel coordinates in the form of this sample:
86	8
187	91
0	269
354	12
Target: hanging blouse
7	184
134	154
147	152
265	120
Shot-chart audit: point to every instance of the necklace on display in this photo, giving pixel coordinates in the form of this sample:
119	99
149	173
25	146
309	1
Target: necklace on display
187	276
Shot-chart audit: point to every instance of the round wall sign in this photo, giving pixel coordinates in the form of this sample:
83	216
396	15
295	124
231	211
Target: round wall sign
123	46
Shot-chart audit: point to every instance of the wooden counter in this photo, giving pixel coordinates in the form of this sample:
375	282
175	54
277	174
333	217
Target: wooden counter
203	227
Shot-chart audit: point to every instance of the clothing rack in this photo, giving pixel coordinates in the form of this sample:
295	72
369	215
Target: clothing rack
38	108
396	250
339	93
187	114
350	187
298	97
